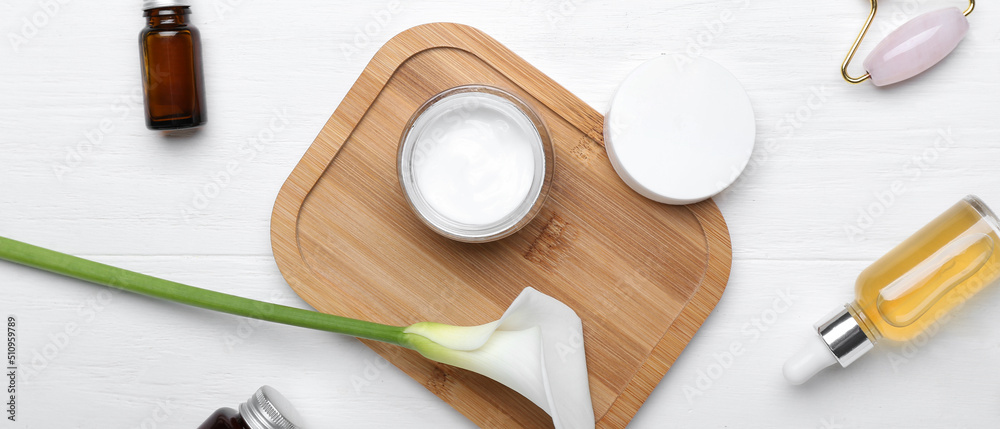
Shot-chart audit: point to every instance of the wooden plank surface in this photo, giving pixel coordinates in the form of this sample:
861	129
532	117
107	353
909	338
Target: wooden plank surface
139	200
643	276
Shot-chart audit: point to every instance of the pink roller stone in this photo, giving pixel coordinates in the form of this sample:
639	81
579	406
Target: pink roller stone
916	46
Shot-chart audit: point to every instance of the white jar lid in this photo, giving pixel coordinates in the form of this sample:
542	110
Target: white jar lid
679	129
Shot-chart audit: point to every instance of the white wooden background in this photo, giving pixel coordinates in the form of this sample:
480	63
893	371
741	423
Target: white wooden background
830	157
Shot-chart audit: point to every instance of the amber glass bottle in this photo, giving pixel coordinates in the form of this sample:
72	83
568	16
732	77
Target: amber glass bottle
266	409
173	86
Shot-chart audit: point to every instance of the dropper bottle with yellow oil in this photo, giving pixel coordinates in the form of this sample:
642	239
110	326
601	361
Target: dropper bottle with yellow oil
935	270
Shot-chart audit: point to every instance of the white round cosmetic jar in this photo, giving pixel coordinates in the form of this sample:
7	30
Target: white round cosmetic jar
475	163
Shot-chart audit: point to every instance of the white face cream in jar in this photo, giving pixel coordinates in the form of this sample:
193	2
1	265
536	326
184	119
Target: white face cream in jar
475	163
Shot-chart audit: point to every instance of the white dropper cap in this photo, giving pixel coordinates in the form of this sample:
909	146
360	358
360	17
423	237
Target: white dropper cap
810	360
840	339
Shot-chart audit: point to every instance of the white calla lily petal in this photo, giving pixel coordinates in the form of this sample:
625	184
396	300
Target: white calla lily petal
454	337
536	349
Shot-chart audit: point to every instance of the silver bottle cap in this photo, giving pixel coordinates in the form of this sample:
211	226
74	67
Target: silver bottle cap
153	4
842	333
840	340
268	409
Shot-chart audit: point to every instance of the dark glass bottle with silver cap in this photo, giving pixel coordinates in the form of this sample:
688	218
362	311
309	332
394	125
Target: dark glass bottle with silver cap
266	409
172	78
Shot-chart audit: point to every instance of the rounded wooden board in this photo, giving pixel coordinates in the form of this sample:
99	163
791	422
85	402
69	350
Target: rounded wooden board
642	276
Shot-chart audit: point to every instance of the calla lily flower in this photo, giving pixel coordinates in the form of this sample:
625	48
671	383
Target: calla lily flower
535	348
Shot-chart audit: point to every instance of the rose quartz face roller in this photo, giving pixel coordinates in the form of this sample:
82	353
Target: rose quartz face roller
912	48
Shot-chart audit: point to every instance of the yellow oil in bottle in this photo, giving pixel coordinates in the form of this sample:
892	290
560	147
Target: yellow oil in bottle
911	287
929	274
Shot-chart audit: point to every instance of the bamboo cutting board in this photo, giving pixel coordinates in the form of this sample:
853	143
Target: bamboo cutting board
643	276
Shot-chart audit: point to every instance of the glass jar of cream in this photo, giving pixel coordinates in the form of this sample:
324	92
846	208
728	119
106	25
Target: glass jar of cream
475	163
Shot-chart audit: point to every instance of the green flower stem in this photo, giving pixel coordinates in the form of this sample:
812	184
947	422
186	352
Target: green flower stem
95	272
